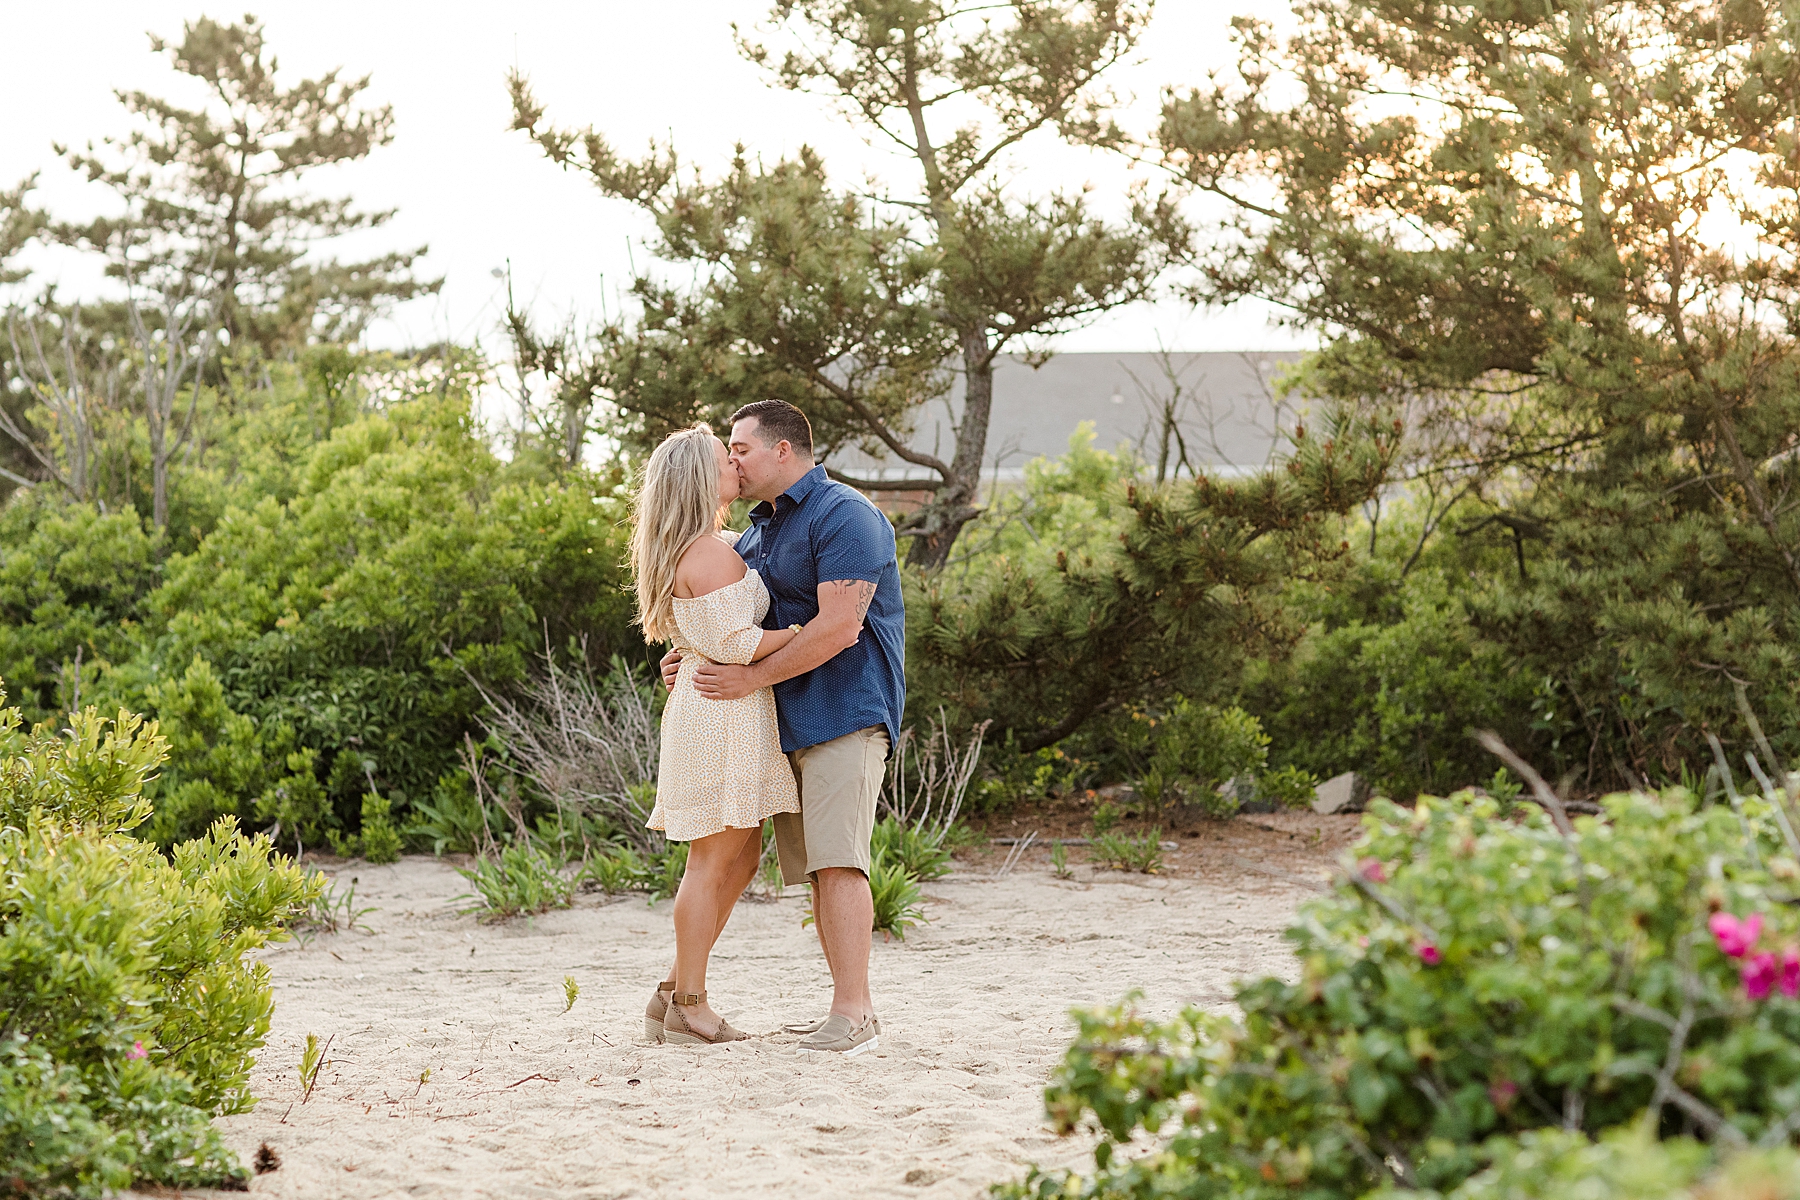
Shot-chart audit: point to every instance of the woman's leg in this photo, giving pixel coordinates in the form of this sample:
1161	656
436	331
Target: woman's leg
713	863
731	884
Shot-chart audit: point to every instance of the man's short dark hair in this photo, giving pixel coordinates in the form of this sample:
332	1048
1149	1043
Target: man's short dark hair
778	421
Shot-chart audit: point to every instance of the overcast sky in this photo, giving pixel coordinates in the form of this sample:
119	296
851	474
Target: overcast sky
480	196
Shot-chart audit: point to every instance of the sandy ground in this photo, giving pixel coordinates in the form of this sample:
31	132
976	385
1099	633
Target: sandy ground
525	1100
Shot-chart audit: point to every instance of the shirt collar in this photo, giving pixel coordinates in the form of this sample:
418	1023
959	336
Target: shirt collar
797	493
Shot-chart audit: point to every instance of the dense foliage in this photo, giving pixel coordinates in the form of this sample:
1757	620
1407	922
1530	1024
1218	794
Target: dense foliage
1472	975
1571	252
321	641
128	1014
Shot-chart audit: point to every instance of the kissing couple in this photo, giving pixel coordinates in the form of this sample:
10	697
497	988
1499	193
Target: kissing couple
786	687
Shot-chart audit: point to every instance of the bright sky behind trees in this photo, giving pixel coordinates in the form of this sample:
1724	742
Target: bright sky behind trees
481	196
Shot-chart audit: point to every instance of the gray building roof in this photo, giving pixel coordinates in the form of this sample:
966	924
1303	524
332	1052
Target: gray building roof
1221	410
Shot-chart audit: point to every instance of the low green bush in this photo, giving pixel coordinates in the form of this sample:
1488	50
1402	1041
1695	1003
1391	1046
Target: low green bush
620	869
923	856
1469	977
1190	750
128	1011
519	881
897	897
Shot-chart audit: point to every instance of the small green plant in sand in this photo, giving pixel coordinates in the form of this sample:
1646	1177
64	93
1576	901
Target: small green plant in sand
312	1057
519	881
1129	853
571	989
613	871
331	911
666	870
896	895
1106	816
1059	861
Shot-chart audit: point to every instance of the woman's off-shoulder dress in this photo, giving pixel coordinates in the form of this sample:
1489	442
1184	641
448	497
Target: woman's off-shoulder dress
722	766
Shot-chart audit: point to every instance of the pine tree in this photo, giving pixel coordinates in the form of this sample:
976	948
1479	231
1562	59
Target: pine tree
859	309
215	191
1569	235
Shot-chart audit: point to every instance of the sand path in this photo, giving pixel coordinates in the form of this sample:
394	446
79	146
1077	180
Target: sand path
524	1100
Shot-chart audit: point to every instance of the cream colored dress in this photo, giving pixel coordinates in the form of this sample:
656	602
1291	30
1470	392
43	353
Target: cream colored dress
722	766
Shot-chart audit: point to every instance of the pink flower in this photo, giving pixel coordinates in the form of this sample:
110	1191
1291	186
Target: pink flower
1372	869
1735	937
1759	975
1362	942
1430	955
137	1051
1501	1092
1790	973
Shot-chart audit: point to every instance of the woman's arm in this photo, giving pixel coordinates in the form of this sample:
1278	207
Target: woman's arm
772	640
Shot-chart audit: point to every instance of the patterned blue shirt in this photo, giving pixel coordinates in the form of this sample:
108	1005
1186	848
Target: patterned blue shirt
818	531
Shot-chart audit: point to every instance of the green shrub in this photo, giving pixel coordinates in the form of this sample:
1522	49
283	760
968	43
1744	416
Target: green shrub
1468	977
923	856
1193	748
380	840
451	821
620	869
664	869
128	1014
519	881
896	895
1290	787
1142	853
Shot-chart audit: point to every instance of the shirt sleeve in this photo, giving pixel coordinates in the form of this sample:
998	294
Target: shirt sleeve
722	624
853	541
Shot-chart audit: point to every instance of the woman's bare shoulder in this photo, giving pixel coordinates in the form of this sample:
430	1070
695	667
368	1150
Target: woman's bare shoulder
708	565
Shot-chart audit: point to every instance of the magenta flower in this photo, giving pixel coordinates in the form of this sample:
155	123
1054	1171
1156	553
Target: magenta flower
137	1051
1790	973
1759	975
1735	937
1372	869
1430	955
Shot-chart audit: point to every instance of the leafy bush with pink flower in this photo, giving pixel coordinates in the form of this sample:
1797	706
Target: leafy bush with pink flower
128	1014
1470	979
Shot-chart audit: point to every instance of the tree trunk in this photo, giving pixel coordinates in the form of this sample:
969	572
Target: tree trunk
159	474
953	504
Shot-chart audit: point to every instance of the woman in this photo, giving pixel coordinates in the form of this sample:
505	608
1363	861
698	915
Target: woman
722	772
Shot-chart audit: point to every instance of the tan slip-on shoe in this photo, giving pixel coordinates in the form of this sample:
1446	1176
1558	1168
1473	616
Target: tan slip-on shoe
656	1010
679	1033
803	1027
838	1036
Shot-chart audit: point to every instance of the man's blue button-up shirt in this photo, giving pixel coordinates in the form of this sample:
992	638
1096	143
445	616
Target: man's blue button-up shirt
816	532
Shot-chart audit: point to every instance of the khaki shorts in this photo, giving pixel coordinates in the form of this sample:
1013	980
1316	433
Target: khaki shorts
839	782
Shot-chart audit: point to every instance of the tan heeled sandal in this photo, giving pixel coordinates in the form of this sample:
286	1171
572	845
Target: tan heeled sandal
656	1010
679	1033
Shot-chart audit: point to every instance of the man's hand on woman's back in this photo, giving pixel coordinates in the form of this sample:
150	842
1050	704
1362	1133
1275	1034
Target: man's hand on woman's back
671	667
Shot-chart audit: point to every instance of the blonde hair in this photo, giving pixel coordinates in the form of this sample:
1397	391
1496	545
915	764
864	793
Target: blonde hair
677	504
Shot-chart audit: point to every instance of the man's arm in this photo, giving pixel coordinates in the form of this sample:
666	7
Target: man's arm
843	603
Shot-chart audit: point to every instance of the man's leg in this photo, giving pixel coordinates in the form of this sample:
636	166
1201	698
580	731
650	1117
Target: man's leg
839	783
845	914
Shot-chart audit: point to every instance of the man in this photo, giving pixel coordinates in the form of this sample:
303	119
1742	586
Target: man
827	555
